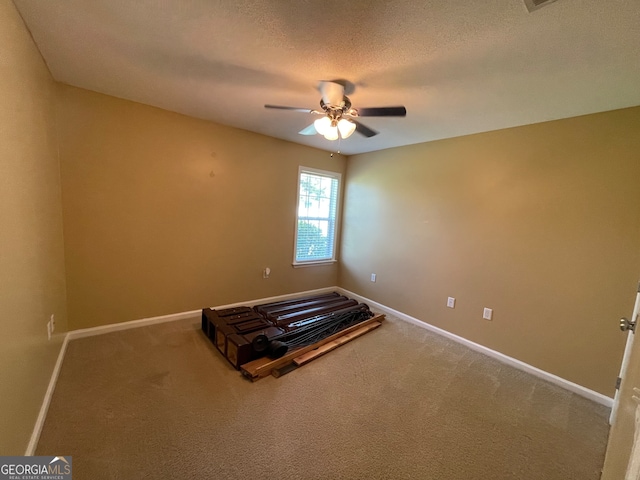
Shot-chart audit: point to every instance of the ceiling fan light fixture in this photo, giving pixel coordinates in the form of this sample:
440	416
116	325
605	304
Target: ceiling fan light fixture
331	133
322	125
346	128
335	121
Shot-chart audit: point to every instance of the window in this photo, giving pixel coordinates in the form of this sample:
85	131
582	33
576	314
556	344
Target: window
316	219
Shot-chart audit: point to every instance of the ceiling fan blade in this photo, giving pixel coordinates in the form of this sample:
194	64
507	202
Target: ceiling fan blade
332	92
310	130
295	109
364	130
382	112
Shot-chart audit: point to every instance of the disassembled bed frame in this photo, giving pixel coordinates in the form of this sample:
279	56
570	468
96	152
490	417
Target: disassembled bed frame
275	338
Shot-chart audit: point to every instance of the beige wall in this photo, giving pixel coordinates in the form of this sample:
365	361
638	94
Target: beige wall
31	246
539	223
164	213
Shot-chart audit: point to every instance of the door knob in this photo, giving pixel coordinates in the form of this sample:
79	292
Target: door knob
627	325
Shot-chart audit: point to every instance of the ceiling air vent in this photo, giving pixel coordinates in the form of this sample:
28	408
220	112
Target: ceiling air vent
536	4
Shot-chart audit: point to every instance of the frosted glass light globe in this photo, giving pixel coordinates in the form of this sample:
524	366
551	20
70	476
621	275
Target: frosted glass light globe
322	125
346	128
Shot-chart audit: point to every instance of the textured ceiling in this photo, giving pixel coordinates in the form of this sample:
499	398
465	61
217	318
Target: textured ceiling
459	67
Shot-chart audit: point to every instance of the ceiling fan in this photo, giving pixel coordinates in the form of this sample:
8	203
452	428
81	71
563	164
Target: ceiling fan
338	118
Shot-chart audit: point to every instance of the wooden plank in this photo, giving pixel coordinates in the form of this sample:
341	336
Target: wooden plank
262	366
327	347
288	368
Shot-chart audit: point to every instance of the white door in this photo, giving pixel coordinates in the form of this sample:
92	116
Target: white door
627	325
622	460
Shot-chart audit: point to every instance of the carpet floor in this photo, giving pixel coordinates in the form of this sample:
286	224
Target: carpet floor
400	402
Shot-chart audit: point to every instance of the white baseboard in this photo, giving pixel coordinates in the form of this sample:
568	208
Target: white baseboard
566	384
114	327
44	408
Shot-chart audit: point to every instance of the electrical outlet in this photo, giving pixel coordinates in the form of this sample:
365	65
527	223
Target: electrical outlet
373	277
451	302
49	330
266	272
487	314
53	323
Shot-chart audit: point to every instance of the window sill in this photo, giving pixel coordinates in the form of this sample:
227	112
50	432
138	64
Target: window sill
313	264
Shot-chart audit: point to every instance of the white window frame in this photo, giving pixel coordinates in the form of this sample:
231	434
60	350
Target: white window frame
333	175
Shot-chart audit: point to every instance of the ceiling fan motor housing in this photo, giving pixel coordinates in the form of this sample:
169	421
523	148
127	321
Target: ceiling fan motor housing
337	111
